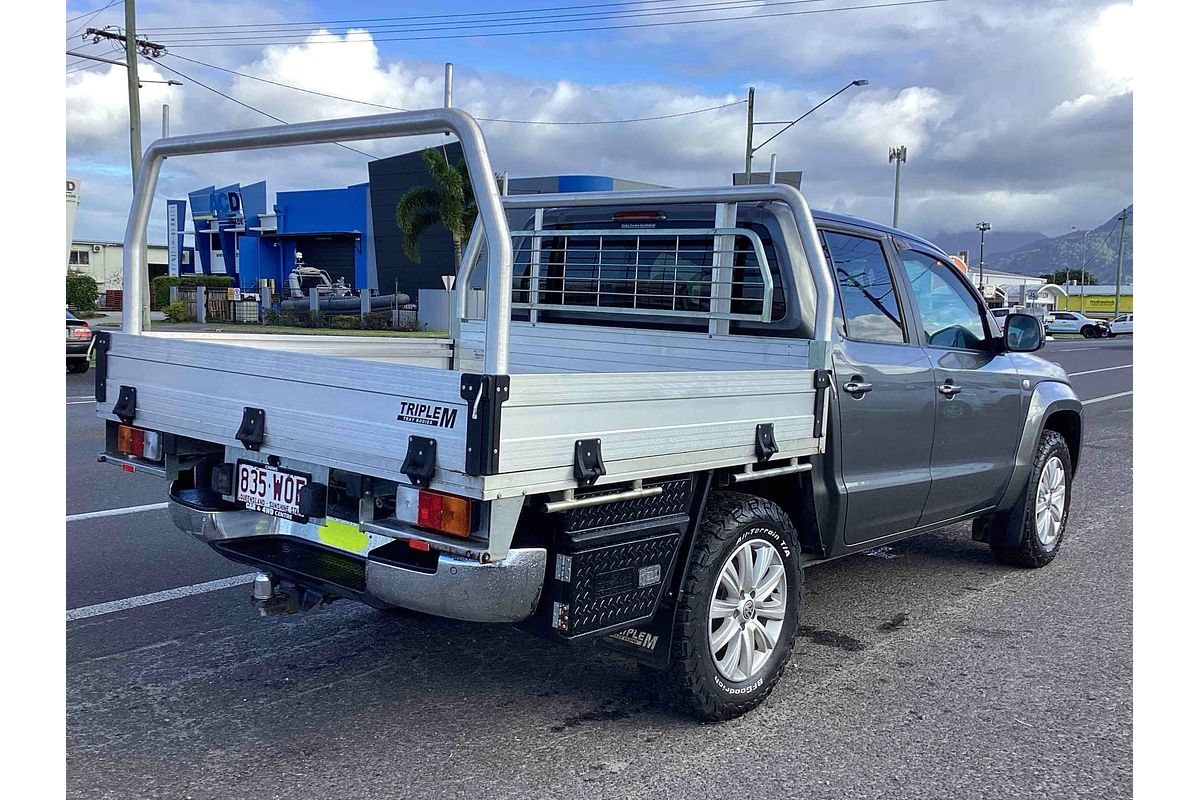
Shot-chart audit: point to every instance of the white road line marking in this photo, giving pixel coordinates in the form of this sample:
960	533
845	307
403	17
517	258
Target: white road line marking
82	398
157	597
80	402
1102	369
1106	397
115	512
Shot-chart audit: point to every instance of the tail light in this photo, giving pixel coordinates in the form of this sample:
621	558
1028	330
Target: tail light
81	332
435	511
139	443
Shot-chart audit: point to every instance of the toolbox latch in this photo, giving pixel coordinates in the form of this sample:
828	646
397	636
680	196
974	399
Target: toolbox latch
764	441
253	427
589	463
126	405
420	461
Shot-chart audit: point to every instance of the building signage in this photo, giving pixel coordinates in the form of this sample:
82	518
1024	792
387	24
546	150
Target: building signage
175	224
72	204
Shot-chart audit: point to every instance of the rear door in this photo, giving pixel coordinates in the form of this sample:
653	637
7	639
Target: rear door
884	392
978	393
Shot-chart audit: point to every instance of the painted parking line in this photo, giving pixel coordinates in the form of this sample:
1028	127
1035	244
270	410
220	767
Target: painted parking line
80	402
1102	369
113	606
1106	397
115	512
84	399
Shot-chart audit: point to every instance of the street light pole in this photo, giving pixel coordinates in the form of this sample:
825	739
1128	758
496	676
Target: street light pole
900	156
983	228
1120	264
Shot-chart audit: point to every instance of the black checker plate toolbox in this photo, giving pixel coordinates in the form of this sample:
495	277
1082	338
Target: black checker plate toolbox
612	561
674	500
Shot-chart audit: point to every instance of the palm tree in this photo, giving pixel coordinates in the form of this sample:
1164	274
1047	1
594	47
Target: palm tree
450	200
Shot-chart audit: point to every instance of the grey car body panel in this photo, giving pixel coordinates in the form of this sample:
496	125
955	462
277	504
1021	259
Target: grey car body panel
996	460
1047	397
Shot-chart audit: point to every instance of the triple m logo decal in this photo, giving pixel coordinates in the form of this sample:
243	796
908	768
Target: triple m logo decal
429	414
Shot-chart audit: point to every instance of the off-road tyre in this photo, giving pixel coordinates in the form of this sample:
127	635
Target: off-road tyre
691	682
1030	551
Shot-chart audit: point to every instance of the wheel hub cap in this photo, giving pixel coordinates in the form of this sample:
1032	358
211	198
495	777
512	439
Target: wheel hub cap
1050	505
747	609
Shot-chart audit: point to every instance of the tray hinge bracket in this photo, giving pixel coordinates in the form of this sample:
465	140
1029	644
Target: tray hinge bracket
589	463
764	441
420	461
125	408
253	428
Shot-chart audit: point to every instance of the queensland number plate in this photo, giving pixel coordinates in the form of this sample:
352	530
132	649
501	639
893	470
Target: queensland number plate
271	490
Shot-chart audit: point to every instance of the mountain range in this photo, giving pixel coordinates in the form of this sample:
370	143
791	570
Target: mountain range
1032	253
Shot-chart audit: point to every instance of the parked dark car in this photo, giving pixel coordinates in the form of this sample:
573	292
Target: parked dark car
79	344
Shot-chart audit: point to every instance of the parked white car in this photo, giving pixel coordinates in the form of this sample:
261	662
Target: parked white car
1074	322
1121	326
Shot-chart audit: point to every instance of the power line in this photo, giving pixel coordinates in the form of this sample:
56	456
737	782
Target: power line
477	14
93	65
90	16
93	12
407	26
204	85
740	17
612	121
482	119
285	85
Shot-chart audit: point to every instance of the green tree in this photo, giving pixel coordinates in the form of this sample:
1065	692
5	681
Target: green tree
82	292
1060	277
450	201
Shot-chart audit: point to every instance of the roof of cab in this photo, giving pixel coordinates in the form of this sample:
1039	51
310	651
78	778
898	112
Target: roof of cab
846	219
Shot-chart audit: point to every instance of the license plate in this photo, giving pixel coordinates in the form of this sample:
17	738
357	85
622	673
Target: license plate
271	490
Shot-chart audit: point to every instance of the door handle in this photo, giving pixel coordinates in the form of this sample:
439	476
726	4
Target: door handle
857	386
949	389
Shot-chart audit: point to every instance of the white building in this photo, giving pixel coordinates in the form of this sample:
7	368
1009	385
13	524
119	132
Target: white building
102	260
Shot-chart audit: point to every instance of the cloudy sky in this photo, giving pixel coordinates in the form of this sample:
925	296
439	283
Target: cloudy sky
1019	112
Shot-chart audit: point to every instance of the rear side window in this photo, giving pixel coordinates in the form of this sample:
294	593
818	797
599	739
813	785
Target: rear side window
869	309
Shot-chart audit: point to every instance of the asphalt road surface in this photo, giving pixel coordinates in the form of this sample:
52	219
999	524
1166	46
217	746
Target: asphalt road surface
924	670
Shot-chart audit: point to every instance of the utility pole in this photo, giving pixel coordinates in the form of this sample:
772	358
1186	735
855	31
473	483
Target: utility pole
900	156
1120	263
749	132
133	46
983	228
131	80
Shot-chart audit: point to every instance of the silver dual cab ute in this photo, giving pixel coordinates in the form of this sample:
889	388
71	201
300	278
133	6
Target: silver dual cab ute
676	401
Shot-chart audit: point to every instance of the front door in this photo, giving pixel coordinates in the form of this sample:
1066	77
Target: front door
979	405
884	391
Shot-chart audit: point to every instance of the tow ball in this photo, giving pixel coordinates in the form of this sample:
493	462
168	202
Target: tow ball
274	597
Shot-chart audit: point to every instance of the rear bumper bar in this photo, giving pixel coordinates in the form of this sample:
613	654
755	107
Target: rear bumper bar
459	588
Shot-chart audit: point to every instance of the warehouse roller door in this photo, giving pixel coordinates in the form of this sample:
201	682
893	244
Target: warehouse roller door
334	254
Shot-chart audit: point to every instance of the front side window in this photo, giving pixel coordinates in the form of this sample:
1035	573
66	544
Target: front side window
950	314
869	309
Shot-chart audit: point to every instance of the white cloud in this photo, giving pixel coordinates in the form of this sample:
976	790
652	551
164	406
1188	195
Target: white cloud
1020	113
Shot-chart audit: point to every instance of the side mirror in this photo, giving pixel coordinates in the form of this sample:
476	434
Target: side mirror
1023	333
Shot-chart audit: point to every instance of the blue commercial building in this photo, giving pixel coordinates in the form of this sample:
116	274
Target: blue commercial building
349	232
